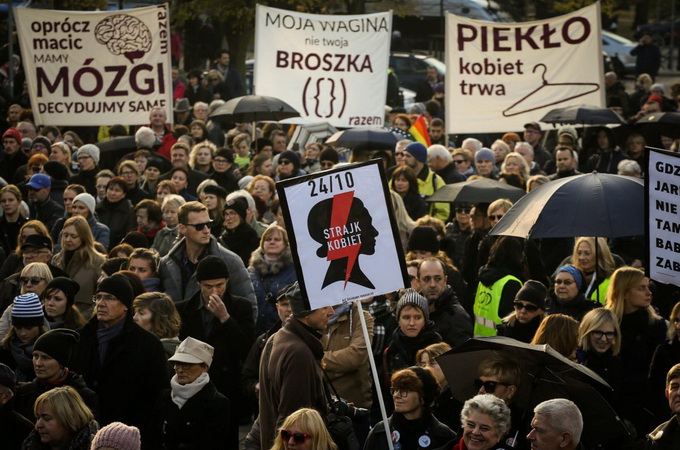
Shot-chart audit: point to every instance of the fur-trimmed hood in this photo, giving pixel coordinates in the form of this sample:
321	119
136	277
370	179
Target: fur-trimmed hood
263	267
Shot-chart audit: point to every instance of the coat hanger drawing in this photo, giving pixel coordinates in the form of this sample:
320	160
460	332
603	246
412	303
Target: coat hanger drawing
589	88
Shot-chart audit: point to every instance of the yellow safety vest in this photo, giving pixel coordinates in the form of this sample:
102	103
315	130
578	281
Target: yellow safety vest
602	288
487	301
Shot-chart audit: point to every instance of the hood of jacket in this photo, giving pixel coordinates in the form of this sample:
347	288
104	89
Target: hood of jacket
263	267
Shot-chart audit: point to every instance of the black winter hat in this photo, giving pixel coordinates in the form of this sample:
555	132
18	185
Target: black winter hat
430	388
211	268
291	156
66	285
297	303
154	162
240	205
58	344
56	170
37	241
217	191
118	286
533	292
136	240
424	238
329	154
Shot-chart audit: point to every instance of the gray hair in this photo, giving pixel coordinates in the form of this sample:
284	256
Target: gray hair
145	137
629	167
401	145
526	145
472	144
439	151
563	415
493	407
200	104
173	200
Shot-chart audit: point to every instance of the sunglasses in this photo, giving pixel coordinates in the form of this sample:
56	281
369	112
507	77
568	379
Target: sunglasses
458	161
283	162
528	306
463	210
565	282
495	217
30	280
399	154
489	386
298	436
201	226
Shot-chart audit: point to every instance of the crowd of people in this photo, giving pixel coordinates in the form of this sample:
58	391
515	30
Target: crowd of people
151	301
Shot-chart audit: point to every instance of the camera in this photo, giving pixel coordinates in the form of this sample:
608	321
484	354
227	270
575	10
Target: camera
342	408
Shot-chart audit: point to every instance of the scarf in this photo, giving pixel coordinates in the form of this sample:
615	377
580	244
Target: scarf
180	393
22	353
105	336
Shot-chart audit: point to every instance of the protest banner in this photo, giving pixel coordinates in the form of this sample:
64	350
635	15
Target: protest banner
343	235
500	76
662	183
329	68
96	68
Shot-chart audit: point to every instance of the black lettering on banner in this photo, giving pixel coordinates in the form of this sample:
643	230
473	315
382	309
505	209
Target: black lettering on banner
334	183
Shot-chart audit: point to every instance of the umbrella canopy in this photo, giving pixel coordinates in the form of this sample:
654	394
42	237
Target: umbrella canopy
364	139
595	204
253	108
484	190
665	124
545	375
584	115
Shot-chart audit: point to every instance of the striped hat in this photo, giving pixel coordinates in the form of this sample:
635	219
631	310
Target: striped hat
27	311
412	298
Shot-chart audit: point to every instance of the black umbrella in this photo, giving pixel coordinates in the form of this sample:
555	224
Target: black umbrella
584	115
595	204
364	139
483	190
253	108
664	124
545	375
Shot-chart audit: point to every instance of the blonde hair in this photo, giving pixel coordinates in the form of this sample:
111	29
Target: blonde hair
309	421
522	162
433	351
404	221
37	269
623	279
592	321
605	260
67	406
87	253
194	150
36	225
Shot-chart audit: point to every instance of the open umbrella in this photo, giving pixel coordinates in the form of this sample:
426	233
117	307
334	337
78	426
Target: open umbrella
664	124
364	139
583	115
545	375
484	190
595	204
253	108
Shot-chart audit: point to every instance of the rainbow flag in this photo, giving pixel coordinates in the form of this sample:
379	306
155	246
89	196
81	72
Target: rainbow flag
419	131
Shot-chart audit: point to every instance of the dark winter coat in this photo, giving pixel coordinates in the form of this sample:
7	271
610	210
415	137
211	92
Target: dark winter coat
268	278
80	441
450	319
402	350
9	233
665	356
119	217
576	307
415	206
523	332
48	212
131	378
409	432
242	240
14	428
87	179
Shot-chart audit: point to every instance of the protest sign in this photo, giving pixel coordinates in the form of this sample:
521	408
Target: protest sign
503	75
329	68
662	182
96	68
343	235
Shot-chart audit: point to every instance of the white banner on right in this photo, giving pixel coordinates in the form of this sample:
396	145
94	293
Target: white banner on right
500	76
662	183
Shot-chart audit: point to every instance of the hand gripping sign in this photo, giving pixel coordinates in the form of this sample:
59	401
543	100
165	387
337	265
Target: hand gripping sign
343	235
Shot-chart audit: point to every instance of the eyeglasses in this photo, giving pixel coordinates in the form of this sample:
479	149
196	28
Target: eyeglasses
30	280
458	161
283	162
463	210
82	157
220	161
230	213
528	306
103	298
181	365
489	386
495	217
401	393
565	282
34	252
200	226
127	173
609	335
298	436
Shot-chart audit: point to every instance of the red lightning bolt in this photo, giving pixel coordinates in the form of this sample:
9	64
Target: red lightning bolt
342	203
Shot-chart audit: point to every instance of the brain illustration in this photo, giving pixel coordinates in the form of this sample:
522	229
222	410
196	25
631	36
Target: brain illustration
124	35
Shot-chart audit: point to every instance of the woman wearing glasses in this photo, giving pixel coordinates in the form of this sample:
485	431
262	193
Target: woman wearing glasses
304	430
528	312
193	414
80	260
567	296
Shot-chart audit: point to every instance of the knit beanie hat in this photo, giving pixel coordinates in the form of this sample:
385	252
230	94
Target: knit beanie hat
533	292
211	268
297	302
430	387
154	162
657	99
329	154
217	191
56	170
42	140
238	204
658	86
88	200
117	436
578	277
118	286
136	240
90	150
569	131
412	298
291	156
58	344
113	265
224	153
66	285
27	311
484	154
13	133
424	238
418	150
